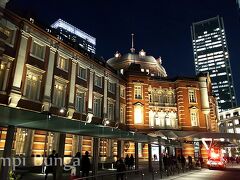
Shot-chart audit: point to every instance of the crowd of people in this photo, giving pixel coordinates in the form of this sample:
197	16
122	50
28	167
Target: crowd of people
171	162
82	163
79	163
122	166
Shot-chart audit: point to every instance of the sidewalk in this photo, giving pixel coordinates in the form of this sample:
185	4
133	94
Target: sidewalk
141	176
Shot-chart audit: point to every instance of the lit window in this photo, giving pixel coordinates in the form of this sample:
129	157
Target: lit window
138	114
32	86
138	92
97	106
111	87
194	119
62	63
122	114
80	102
167	120
37	50
237	130
192	96
82	73
122	91
3	66
110	111
98	81
59	94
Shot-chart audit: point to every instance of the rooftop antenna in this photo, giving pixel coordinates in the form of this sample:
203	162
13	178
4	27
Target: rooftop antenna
132	48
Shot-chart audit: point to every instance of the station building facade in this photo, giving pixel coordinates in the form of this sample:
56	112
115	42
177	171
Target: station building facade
132	92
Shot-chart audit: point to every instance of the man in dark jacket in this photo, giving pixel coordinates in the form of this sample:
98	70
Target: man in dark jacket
51	165
85	165
120	168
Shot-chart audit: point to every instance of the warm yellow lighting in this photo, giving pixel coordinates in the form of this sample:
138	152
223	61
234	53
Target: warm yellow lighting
117	54
2	66
61	110
138	114
142	53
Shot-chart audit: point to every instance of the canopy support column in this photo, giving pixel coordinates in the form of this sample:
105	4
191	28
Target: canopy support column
7	153
95	155
61	149
136	156
150	167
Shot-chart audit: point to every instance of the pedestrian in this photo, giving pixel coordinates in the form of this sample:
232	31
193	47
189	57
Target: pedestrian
201	161
120	169
77	164
190	162
155	157
85	164
183	162
51	165
131	161
127	161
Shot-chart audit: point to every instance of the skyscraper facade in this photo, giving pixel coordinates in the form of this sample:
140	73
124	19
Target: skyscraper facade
74	36
211	56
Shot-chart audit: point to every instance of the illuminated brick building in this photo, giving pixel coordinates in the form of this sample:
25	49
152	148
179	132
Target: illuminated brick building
54	97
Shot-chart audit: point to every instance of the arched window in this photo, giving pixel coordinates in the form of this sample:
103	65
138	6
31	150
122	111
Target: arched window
138	113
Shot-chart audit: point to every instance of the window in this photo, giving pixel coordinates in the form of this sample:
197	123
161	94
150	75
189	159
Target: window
82	73
194	119
192	96
3	67
32	85
80	102
59	94
97	106
236	121
237	130
98	81
38	50
10	34
167	120
111	87
122	114
122	91
138	114
62	63
138	92
111	111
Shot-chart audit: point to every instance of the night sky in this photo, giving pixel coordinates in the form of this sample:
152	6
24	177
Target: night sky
161	27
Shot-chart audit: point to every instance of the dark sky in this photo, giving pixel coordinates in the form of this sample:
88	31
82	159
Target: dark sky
161	27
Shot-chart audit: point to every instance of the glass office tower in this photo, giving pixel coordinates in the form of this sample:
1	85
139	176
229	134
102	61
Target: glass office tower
211	56
74	36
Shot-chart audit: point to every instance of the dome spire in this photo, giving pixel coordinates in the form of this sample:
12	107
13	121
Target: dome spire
132	48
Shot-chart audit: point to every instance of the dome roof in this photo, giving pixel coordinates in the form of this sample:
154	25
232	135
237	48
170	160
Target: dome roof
148	63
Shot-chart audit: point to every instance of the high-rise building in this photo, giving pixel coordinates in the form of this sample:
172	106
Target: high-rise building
211	56
76	37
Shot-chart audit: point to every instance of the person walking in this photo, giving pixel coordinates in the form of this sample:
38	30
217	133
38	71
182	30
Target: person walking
127	161
190	162
183	162
131	161
77	164
120	169
51	165
85	164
